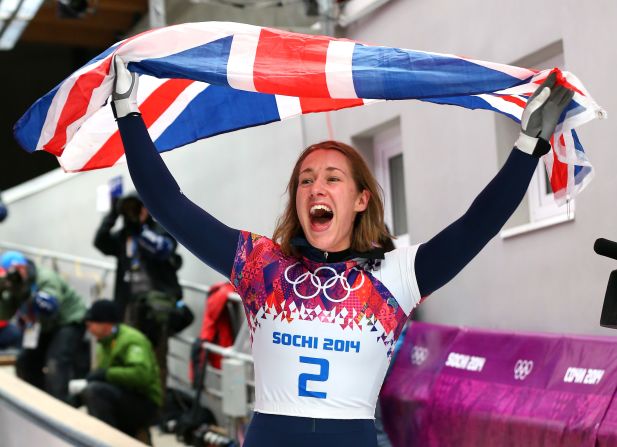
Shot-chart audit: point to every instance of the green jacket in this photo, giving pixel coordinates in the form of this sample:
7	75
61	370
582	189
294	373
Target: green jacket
71	307
129	360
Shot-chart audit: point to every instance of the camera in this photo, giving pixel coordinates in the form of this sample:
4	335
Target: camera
608	318
13	278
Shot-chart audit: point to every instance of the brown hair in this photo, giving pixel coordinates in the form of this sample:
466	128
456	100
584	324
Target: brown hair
369	228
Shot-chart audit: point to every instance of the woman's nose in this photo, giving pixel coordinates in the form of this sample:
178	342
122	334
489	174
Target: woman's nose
317	189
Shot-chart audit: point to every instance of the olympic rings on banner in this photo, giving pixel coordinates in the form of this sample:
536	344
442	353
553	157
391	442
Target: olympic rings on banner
522	369
419	354
319	287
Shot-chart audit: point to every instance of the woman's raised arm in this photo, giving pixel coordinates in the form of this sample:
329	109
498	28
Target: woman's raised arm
207	238
442	257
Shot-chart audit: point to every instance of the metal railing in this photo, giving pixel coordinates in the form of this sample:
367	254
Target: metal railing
93	263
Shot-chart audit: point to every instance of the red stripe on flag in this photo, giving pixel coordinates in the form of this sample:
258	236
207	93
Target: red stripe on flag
310	105
559	174
514	99
76	105
288	63
151	109
78	99
561	80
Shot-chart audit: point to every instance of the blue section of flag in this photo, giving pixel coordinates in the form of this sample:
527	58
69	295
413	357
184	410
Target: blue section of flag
580	172
205	63
392	73
28	128
577	143
234	109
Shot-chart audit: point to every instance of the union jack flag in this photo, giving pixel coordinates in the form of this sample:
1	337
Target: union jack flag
202	79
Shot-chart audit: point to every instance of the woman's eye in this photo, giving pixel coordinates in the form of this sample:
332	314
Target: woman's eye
333	179
305	181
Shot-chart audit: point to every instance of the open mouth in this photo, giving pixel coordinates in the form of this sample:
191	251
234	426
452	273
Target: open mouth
320	215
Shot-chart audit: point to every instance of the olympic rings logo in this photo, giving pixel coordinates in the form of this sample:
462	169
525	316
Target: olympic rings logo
319	287
522	369
419	354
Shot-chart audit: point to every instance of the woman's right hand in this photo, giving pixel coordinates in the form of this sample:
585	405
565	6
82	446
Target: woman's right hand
124	94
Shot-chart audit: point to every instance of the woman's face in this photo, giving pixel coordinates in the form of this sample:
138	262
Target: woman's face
327	200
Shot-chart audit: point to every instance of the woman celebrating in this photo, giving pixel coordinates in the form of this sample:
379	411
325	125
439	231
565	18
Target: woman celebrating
324	304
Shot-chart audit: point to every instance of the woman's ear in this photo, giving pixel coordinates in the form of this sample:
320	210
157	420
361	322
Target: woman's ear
362	201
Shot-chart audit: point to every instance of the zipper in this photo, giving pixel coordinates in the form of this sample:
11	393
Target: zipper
325	255
314	428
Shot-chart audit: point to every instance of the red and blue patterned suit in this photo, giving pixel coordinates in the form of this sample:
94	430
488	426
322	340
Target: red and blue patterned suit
322	334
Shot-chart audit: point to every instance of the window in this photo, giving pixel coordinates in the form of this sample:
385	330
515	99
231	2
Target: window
389	171
538	209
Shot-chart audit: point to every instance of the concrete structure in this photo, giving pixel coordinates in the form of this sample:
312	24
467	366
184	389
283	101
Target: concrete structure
28	416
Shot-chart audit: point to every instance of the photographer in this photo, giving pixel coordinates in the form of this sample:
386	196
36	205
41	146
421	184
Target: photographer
51	315
146	288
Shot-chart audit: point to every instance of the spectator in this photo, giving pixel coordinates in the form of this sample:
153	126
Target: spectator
51	314
147	287
124	390
216	327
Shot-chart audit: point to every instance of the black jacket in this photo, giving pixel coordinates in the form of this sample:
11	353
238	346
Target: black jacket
162	273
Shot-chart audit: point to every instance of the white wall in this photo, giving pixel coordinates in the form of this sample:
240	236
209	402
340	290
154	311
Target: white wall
548	280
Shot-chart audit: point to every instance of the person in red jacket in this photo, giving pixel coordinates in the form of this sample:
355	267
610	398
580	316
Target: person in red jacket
216	325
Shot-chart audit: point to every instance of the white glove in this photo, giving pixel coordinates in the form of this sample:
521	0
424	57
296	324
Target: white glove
76	386
124	94
541	116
